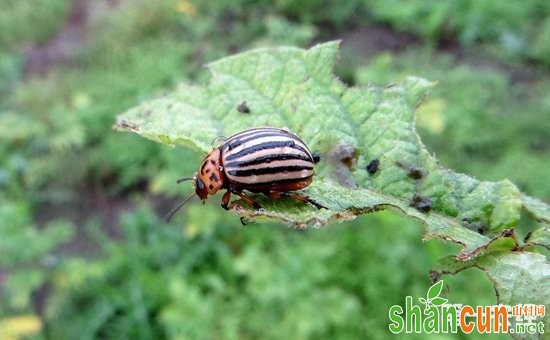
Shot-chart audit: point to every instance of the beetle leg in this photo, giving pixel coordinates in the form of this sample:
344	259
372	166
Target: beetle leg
245	198
297	197
225	200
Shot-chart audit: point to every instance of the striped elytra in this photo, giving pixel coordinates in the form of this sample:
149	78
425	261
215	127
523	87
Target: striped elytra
265	160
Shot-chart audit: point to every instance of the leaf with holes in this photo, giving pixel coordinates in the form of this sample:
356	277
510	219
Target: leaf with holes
352	129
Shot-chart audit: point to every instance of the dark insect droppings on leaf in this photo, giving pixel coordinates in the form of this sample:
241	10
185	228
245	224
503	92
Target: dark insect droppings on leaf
422	203
412	171
372	167
316	157
479	227
415	173
527	237
243	107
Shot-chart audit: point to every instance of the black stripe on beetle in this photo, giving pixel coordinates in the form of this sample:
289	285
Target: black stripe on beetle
251	132
267	134
266	160
254	134
264	171
233	144
263	146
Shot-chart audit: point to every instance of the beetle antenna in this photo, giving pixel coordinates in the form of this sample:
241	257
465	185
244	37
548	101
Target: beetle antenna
173	211
183	179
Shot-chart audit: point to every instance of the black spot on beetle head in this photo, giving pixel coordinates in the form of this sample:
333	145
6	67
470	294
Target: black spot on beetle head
243	108
422	203
372	167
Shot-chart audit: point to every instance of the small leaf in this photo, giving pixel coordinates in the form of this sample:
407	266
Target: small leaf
422	300
435	290
438	301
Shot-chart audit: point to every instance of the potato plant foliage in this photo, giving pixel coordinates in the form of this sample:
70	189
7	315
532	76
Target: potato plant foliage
349	127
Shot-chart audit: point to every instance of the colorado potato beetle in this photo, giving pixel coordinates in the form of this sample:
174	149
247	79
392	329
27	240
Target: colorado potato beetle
265	160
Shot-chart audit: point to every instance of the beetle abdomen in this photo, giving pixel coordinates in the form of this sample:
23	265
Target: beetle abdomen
264	157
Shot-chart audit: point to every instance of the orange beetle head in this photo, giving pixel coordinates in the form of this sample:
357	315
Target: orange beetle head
207	181
210	177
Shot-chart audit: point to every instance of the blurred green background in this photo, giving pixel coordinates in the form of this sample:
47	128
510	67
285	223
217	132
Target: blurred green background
84	250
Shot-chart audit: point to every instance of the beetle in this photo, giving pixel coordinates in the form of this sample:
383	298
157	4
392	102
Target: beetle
266	160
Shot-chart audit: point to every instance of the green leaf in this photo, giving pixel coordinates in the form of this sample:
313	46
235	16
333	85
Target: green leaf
518	277
435	290
349	127
539	209
540	237
437	301
522	278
